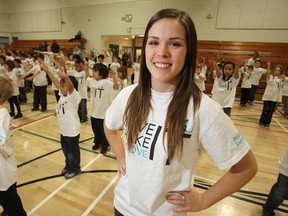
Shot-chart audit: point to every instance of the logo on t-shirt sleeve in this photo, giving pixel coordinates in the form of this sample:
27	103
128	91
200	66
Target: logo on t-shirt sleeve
238	139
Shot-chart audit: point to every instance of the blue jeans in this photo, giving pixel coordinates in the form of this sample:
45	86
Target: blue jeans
278	193
82	110
70	148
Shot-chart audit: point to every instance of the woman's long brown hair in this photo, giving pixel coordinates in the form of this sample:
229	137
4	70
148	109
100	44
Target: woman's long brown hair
139	105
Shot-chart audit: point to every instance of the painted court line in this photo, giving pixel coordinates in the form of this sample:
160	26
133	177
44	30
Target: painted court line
32	122
280	125
100	196
59	188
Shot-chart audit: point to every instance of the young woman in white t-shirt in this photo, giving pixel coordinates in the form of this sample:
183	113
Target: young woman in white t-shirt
166	122
272	95
9	198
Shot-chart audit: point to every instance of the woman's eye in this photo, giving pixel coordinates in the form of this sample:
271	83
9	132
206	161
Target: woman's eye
153	43
175	44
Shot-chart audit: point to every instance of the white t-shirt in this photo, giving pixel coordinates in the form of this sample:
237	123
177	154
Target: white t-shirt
41	78
246	82
136	67
256	75
100	93
273	90
199	80
283	164
149	175
82	86
8	164
67	114
285	87
20	72
14	78
56	72
114	66
224	91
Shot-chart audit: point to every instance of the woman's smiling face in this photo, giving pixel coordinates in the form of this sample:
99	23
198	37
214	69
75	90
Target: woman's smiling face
166	49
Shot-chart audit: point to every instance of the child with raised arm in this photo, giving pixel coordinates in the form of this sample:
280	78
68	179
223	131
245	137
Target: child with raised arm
226	82
272	95
199	78
246	84
166	122
258	71
9	198
100	88
67	115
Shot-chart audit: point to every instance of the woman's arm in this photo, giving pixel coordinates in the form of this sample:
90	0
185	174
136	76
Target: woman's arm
116	143
238	175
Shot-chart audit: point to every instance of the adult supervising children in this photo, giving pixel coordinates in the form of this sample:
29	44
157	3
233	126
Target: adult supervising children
166	122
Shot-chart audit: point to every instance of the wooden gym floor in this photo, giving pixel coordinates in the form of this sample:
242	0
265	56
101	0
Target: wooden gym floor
45	192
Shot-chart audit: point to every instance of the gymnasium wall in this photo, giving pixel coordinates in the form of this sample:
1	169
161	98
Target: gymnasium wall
104	19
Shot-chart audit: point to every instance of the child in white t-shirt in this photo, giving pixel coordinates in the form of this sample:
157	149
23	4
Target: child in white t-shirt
224	90
100	88
22	97
255	78
246	84
81	73
67	115
272	95
285	96
9	198
115	64
199	78
10	74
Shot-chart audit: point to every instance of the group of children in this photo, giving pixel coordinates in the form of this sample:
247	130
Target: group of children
227	76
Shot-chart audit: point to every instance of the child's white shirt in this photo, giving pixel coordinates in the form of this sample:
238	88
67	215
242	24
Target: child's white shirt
14	78
224	91
100	94
257	74
67	114
273	90
82	85
8	164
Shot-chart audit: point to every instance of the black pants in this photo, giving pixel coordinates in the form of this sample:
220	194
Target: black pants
14	100
267	112
245	94
22	95
40	97
11	202
98	130
253	92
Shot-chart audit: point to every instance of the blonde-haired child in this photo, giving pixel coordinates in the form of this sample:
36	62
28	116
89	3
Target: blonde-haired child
9	198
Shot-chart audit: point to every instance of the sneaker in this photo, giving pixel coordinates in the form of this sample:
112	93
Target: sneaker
43	110
262	125
266	126
105	150
19	115
34	109
83	120
286	113
64	171
251	103
96	147
72	174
